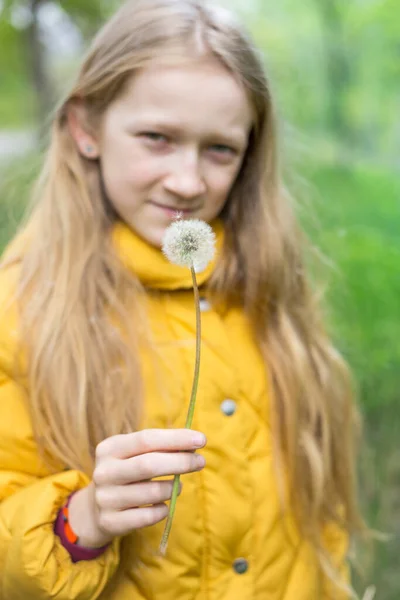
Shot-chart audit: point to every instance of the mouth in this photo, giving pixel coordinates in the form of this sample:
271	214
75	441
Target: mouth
174	211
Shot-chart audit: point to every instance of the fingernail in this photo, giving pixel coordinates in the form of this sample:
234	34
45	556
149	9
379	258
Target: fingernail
201	461
199	440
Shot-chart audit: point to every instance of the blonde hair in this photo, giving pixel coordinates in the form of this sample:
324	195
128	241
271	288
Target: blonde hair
72	328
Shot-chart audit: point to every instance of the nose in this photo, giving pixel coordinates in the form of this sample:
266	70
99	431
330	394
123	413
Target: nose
185	179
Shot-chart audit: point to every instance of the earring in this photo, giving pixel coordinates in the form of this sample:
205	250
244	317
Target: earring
88	149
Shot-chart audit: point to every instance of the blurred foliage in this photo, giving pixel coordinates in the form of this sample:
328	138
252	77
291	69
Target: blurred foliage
336	65
357	230
87	14
27	87
13	84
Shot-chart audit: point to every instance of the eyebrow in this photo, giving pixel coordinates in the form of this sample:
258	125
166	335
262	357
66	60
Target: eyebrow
176	130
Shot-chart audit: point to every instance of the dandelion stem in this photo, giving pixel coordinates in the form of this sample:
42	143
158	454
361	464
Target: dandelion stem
192	403
190	413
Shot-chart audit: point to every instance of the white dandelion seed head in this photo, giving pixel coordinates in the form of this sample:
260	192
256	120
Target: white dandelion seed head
189	243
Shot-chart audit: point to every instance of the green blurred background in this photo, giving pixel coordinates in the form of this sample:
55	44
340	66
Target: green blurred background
335	68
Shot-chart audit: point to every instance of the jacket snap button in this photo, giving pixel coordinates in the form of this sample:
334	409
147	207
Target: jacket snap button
240	566
228	407
204	305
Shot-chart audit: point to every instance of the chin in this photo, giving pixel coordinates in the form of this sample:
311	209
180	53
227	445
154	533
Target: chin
153	236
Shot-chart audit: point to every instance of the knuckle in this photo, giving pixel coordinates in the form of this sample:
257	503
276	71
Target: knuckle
106	522
104	498
100	475
187	461
107	447
161	490
193	462
146	467
145	440
101	449
152	515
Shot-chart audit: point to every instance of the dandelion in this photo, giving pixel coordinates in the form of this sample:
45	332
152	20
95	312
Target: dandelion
191	244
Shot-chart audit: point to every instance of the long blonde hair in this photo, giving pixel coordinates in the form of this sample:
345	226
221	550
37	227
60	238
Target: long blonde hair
71	280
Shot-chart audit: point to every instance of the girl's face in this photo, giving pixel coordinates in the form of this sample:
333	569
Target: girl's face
174	141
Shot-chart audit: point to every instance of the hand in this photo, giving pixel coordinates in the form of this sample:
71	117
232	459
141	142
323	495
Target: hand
122	496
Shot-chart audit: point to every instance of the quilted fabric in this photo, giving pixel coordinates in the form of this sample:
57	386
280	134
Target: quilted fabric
229	540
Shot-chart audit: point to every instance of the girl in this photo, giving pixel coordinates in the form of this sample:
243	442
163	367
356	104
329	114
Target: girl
171	112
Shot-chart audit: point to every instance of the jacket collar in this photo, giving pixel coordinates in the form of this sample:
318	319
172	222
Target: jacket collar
151	266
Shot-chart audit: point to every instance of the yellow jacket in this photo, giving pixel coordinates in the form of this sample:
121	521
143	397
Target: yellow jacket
228	540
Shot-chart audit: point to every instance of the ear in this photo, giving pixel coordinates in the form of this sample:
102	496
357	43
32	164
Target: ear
85	142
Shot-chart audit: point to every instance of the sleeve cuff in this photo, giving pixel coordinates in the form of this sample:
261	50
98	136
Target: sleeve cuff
76	552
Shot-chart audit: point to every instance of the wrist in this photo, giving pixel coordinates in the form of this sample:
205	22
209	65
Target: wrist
82	519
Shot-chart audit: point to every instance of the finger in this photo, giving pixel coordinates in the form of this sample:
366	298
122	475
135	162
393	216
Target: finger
122	522
145	467
150	440
134	496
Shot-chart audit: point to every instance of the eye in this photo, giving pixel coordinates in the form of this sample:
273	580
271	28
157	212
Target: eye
222	149
222	153
154	136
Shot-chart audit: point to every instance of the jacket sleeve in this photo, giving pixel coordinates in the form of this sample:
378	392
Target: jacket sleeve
337	542
33	562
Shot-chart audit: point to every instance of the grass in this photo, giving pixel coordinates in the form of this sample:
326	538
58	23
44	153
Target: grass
354	218
15	185
17	103
360	225
356	223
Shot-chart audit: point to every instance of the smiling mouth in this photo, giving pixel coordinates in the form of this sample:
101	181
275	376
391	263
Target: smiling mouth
174	209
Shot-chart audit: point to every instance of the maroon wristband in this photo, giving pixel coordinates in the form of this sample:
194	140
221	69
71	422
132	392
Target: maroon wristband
76	552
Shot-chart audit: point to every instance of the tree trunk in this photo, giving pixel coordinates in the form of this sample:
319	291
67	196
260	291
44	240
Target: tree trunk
38	71
338	69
